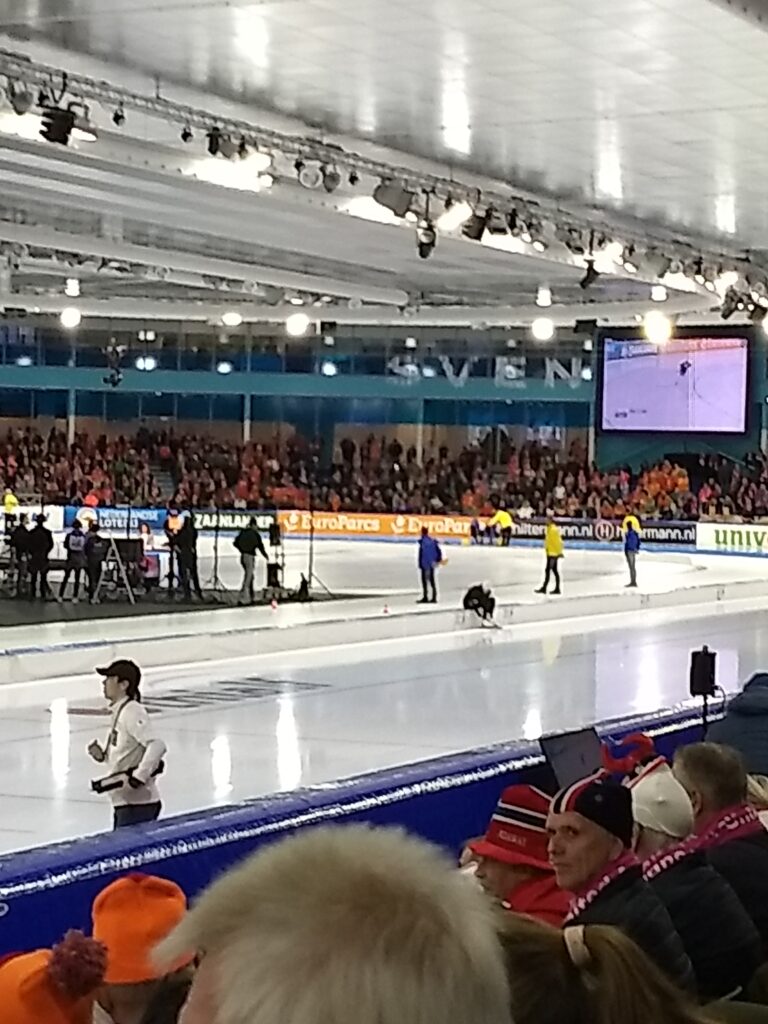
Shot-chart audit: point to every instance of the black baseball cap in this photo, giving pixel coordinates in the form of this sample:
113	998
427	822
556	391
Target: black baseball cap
125	670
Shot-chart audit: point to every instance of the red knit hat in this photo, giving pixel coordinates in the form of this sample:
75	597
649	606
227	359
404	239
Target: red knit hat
517	832
131	916
52	986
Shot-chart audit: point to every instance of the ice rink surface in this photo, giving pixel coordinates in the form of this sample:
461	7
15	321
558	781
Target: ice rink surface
249	726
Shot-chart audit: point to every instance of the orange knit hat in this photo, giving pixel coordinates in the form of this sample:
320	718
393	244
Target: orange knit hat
131	916
52	986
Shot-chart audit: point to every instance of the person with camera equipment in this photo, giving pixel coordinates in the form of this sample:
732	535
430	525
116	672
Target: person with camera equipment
186	555
96	548
248	542
74	545
39	546
132	752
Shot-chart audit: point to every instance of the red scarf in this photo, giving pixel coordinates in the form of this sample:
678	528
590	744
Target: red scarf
592	890
737	822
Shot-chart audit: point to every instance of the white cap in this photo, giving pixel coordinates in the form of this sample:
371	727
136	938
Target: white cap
660	803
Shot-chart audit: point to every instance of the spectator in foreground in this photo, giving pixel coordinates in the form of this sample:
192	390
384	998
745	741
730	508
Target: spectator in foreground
338	924
720	938
512	862
745	725
130	917
594	974
590	838
728	829
52	986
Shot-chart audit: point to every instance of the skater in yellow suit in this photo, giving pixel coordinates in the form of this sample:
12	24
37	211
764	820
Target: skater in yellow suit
553	548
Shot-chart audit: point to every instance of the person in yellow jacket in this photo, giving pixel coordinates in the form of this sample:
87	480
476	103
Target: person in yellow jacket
503	520
10	508
553	548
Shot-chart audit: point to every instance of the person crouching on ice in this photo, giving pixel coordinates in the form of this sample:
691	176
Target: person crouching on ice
430	557
503	520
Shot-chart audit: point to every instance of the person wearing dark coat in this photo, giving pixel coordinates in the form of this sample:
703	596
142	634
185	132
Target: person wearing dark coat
249	543
430	557
186	552
726	827
590	830
719	936
19	544
745	725
39	547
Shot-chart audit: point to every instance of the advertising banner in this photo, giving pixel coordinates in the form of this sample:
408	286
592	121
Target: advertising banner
372	525
737	538
126	520
608	531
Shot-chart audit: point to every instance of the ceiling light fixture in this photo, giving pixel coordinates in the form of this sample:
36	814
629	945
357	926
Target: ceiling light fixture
543	329
72	287
657	327
476	225
426	238
454	215
328	369
146	363
658	293
231	318
224	366
297	324
544	296
411	342
70	317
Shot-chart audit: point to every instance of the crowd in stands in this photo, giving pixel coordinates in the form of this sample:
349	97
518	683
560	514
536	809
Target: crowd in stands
379	475
638	894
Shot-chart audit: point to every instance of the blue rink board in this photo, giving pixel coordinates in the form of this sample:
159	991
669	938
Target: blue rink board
45	891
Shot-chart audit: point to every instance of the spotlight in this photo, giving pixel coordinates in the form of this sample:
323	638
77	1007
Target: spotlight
544	296
426	238
328	369
657	327
658	293
454	215
329	341
394	197
72	287
70	317
543	329
224	366
187	134
118	118
24	361
411	342
586	373
590	275
57	125
539	246
331	178
214	137
146	363
231	318
297	324
309	174
20	97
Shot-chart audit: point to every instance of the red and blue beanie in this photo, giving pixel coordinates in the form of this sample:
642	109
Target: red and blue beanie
601	800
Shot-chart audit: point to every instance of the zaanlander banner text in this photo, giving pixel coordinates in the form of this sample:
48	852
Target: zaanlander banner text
126	520
737	538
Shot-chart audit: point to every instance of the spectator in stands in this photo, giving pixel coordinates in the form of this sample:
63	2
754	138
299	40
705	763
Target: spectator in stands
590	829
39	547
343	923
248	542
720	938
594	974
130	917
512	861
429	558
52	986
728	829
745	725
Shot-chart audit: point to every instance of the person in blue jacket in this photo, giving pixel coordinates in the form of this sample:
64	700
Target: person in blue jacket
631	548
430	557
745	725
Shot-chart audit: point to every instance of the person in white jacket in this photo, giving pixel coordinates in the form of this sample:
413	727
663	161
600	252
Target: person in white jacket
132	754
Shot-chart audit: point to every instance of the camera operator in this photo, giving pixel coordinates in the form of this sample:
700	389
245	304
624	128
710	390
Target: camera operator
39	547
248	542
132	753
186	552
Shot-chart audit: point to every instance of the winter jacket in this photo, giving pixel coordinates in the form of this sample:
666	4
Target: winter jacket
540	897
249	542
74	545
429	553
630	904
745	726
743	863
39	546
631	541
553	541
720	938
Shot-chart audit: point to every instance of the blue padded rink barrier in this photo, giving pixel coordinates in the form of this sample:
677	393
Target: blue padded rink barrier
45	891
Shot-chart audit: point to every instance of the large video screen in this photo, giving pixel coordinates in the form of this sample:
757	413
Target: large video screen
686	384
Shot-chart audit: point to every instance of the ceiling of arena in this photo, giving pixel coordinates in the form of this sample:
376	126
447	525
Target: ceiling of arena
640	119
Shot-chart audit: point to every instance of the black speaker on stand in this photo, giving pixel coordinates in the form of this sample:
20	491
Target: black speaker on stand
703	680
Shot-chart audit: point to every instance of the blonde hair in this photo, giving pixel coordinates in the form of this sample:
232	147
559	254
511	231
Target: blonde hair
348	924
757	792
591	974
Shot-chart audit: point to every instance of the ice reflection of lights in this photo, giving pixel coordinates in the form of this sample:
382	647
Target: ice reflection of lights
532	725
649	690
456	128
221	767
288	752
60	742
